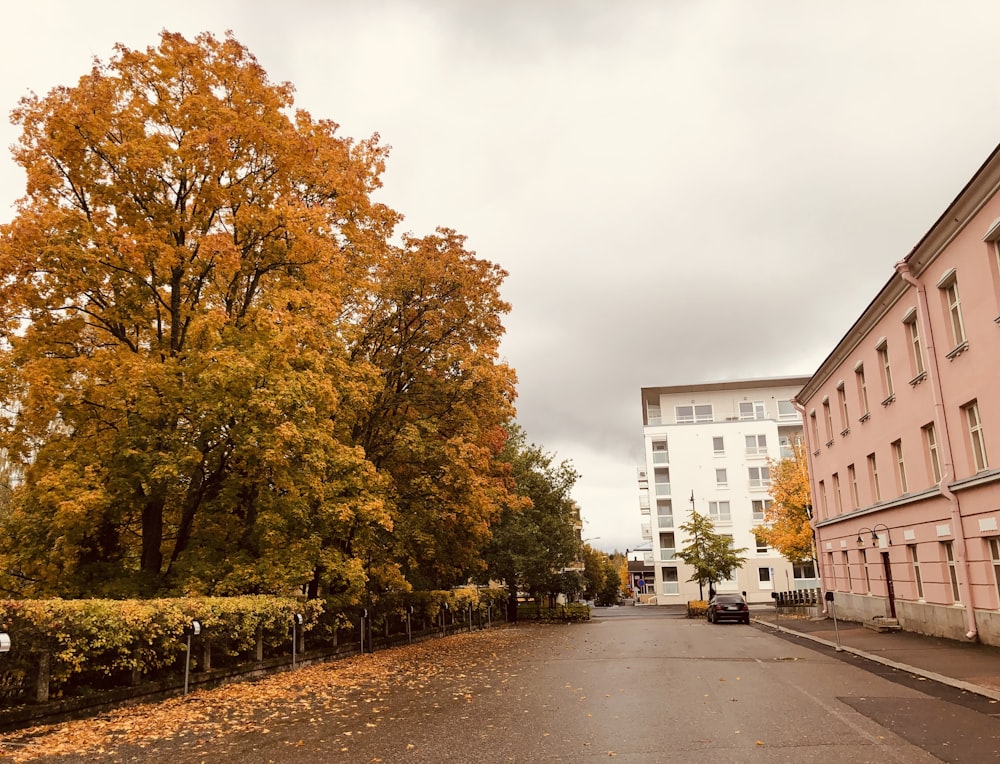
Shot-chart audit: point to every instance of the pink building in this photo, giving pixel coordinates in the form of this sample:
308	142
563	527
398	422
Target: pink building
902	424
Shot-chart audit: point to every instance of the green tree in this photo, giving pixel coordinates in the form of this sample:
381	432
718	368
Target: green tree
601	579
711	554
535	537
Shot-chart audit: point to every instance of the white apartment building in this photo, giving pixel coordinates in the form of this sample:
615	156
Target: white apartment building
706	447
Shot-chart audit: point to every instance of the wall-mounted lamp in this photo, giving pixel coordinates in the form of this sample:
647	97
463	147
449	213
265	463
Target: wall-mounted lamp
875	536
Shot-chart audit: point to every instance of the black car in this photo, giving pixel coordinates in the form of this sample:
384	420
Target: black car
728	607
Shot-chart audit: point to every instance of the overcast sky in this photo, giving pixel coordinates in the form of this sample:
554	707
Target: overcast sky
682	191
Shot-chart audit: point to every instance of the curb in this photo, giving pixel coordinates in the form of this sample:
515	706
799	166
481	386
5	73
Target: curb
932	675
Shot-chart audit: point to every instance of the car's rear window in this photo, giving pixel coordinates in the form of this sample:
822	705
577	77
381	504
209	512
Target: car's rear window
728	598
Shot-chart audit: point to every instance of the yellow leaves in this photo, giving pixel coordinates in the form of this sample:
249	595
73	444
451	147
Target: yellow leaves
787	526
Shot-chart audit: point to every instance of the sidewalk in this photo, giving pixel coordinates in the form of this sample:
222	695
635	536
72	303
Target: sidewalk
967	666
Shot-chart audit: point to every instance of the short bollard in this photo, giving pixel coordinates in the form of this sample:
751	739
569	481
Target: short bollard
192	631
833	611
409	618
774	596
296	622
489	616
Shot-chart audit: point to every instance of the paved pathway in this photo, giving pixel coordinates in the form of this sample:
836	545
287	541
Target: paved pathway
639	685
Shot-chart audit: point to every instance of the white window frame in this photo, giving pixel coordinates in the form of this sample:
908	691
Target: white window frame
933	455
762	479
759	447
897	453
976	440
721	478
949	556
720	512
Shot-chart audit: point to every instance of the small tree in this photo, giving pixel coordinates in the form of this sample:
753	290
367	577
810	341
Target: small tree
787	527
711	554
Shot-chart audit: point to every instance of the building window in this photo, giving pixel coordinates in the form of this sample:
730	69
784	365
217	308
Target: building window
933	457
873	477
718	446
760	477
897	454
667	547
864	570
859	373
688	414
761	546
833	570
803	570
953	303
852	478
847	572
838	502
917	355
756	445
995	559
670	581
660	454
786	410
814	428
721	481
949	555
664	513
828	421
886	367
752	410
661	480
719	512
976	439
821	489
915	567
764	578
760	507
845	420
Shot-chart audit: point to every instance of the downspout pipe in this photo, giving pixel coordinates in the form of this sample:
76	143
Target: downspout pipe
812	517
948	461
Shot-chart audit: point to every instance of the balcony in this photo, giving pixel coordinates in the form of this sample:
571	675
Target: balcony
663	489
667	555
671	587
665	521
661	457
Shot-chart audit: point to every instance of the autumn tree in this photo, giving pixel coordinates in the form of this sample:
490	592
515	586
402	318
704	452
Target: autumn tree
179	297
435	423
711	554
787	525
535	536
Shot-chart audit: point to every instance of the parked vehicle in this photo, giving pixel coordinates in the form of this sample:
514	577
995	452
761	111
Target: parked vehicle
728	607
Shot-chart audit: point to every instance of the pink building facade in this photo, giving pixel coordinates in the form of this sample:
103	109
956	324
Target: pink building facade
902	426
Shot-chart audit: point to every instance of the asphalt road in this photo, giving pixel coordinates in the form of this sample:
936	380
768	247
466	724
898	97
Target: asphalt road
634	684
